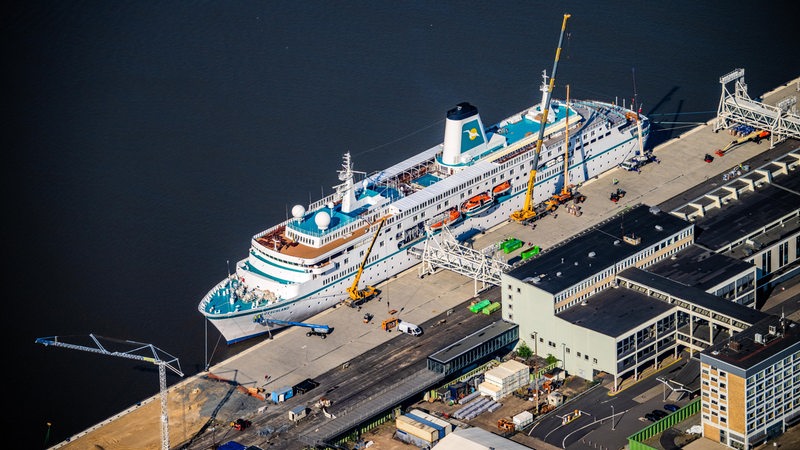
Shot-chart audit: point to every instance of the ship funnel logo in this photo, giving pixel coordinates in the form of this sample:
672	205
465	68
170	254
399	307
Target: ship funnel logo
473	134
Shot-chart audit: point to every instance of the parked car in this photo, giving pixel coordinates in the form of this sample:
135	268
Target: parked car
650	417
659	413
671	408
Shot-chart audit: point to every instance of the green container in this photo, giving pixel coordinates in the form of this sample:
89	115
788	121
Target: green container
491	308
531	252
511	244
477	307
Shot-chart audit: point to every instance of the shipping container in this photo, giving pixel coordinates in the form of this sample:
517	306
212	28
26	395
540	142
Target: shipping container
414	428
511	244
523	419
448	427
477	307
429	423
530	253
282	394
491	308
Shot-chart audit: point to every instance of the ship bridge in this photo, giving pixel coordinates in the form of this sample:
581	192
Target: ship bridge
738	108
445	252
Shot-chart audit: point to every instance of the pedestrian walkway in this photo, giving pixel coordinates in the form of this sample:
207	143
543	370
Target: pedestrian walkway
647	372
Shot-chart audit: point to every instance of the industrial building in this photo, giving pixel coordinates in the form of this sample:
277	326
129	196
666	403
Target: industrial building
754	218
751	384
646	284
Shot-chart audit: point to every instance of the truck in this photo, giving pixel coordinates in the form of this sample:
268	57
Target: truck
634	163
314	329
409	328
241	424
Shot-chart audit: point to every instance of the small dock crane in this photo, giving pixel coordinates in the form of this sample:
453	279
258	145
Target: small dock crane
170	362
755	136
358	296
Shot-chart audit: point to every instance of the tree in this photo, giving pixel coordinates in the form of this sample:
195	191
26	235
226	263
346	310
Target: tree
551	359
523	351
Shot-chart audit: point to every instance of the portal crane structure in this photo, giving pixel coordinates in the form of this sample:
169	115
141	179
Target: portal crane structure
168	361
358	296
527	212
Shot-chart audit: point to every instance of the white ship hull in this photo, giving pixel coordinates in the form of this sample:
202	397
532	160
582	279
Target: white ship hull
305	265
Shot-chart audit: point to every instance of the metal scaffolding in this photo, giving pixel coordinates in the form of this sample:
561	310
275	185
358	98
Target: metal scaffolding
738	108
444	251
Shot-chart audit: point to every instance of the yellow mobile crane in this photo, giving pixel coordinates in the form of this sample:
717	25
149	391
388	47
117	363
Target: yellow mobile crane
358	296
527	212
568	191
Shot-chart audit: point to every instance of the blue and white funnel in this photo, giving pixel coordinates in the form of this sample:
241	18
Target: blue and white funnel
464	136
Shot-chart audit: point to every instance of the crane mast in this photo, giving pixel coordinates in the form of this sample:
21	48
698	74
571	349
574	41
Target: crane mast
527	212
360	295
171	363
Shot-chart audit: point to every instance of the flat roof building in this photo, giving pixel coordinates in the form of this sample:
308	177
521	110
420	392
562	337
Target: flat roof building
650	281
751	384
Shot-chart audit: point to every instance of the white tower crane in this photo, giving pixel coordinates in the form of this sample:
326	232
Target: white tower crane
132	353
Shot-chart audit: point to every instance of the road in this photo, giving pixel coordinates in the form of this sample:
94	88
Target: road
596	405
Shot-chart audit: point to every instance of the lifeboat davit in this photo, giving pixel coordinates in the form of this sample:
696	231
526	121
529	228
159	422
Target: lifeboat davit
452	216
477	204
502	188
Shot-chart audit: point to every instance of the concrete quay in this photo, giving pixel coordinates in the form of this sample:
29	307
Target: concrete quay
291	356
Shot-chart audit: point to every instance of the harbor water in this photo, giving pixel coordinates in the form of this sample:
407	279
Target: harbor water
146	142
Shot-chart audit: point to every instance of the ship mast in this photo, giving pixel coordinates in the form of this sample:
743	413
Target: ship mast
346	191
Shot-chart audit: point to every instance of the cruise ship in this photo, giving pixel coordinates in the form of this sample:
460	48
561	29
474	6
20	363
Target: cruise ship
475	179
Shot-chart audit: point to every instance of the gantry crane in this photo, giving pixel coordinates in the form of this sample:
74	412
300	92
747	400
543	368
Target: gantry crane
527	212
132	354
358	296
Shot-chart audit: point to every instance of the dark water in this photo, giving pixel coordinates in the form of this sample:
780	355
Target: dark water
145	142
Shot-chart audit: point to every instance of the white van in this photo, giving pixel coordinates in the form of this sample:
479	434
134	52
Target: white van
410	328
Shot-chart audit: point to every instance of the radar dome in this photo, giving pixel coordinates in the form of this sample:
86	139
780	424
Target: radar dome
322	219
298	211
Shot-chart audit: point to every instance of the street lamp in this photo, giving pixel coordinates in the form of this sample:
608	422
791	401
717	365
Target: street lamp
612	417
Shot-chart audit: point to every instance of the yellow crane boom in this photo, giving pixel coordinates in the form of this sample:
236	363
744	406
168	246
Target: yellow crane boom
360	295
527	212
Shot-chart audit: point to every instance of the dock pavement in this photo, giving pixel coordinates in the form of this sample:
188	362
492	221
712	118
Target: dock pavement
291	356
